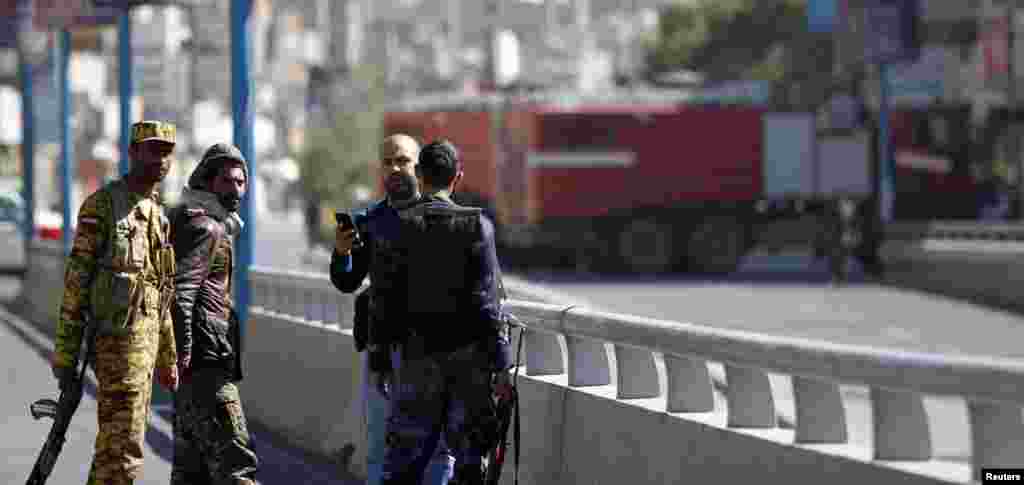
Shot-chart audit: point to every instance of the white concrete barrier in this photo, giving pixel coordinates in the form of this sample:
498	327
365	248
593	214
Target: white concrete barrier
616	398
612	398
43	285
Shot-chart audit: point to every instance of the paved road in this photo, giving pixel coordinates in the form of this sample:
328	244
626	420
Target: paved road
28	378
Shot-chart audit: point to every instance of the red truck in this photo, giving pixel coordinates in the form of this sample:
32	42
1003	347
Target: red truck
622	186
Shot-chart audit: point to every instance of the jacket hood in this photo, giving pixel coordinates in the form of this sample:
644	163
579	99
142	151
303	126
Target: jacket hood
212	160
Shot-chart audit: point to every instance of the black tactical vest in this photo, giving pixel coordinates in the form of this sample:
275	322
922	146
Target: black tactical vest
420	277
437	238
386	307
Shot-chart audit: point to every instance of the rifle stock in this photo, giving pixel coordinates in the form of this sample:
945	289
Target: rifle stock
61	410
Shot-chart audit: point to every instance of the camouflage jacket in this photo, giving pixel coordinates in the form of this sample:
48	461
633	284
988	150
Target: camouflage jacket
115	272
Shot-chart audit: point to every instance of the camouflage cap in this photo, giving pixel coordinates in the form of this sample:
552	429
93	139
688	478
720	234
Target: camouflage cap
150	130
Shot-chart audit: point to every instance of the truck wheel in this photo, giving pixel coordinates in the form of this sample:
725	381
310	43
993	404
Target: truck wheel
717	245
645	246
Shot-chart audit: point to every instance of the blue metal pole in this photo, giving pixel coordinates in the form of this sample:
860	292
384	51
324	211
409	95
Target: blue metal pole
28	128
28	148
241	101
66	138
124	47
886	187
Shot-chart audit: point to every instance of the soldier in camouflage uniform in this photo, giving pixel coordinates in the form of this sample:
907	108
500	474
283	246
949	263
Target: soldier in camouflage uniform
120	271
211	441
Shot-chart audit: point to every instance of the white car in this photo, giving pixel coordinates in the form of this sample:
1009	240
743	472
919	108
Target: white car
12	236
48	225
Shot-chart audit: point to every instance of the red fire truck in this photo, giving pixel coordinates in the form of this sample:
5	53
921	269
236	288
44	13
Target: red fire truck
642	187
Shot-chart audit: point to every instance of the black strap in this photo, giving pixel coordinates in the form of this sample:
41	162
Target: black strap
502	296
515	470
515	403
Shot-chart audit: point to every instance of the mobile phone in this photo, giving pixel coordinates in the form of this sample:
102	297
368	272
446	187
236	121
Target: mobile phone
344	220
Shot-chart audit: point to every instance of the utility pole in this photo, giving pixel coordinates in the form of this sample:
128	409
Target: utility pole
193	73
492	57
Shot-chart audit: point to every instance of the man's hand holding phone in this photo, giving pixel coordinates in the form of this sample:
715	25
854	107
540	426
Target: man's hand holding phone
345	236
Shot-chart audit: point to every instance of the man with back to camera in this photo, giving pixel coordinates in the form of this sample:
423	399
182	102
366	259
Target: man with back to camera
445	318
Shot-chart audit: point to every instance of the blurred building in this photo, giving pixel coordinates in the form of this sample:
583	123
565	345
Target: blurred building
569	43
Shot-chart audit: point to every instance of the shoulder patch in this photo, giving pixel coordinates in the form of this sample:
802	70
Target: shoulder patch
195	212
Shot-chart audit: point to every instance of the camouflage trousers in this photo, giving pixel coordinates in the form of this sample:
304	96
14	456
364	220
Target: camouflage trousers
448	394
124	375
211	440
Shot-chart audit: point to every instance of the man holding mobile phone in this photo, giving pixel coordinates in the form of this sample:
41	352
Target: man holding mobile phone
351	262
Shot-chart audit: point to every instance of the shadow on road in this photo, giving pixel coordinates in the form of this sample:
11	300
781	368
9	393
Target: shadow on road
160	441
279	461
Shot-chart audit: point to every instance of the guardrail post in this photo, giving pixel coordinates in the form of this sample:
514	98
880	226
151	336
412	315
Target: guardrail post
329	308
820	415
269	295
543	354
321	302
749	398
636	374
900	426
284	296
588	362
280	298
345	311
997	435
310	305
689	385
296	306
259	299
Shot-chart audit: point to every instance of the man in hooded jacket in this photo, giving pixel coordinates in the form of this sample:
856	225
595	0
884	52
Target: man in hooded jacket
212	444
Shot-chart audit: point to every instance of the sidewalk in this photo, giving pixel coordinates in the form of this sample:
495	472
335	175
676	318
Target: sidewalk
28	378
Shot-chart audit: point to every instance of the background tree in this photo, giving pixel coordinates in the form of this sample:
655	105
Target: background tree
744	40
335	161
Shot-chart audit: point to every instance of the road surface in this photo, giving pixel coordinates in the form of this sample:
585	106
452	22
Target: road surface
28	378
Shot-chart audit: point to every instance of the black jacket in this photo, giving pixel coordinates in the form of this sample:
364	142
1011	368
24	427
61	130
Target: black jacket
205	326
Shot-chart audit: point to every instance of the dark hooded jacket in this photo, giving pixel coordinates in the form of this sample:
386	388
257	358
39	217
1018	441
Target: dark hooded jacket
202	232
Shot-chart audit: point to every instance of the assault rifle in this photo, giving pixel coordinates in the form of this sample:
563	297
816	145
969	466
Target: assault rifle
507	409
61	410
